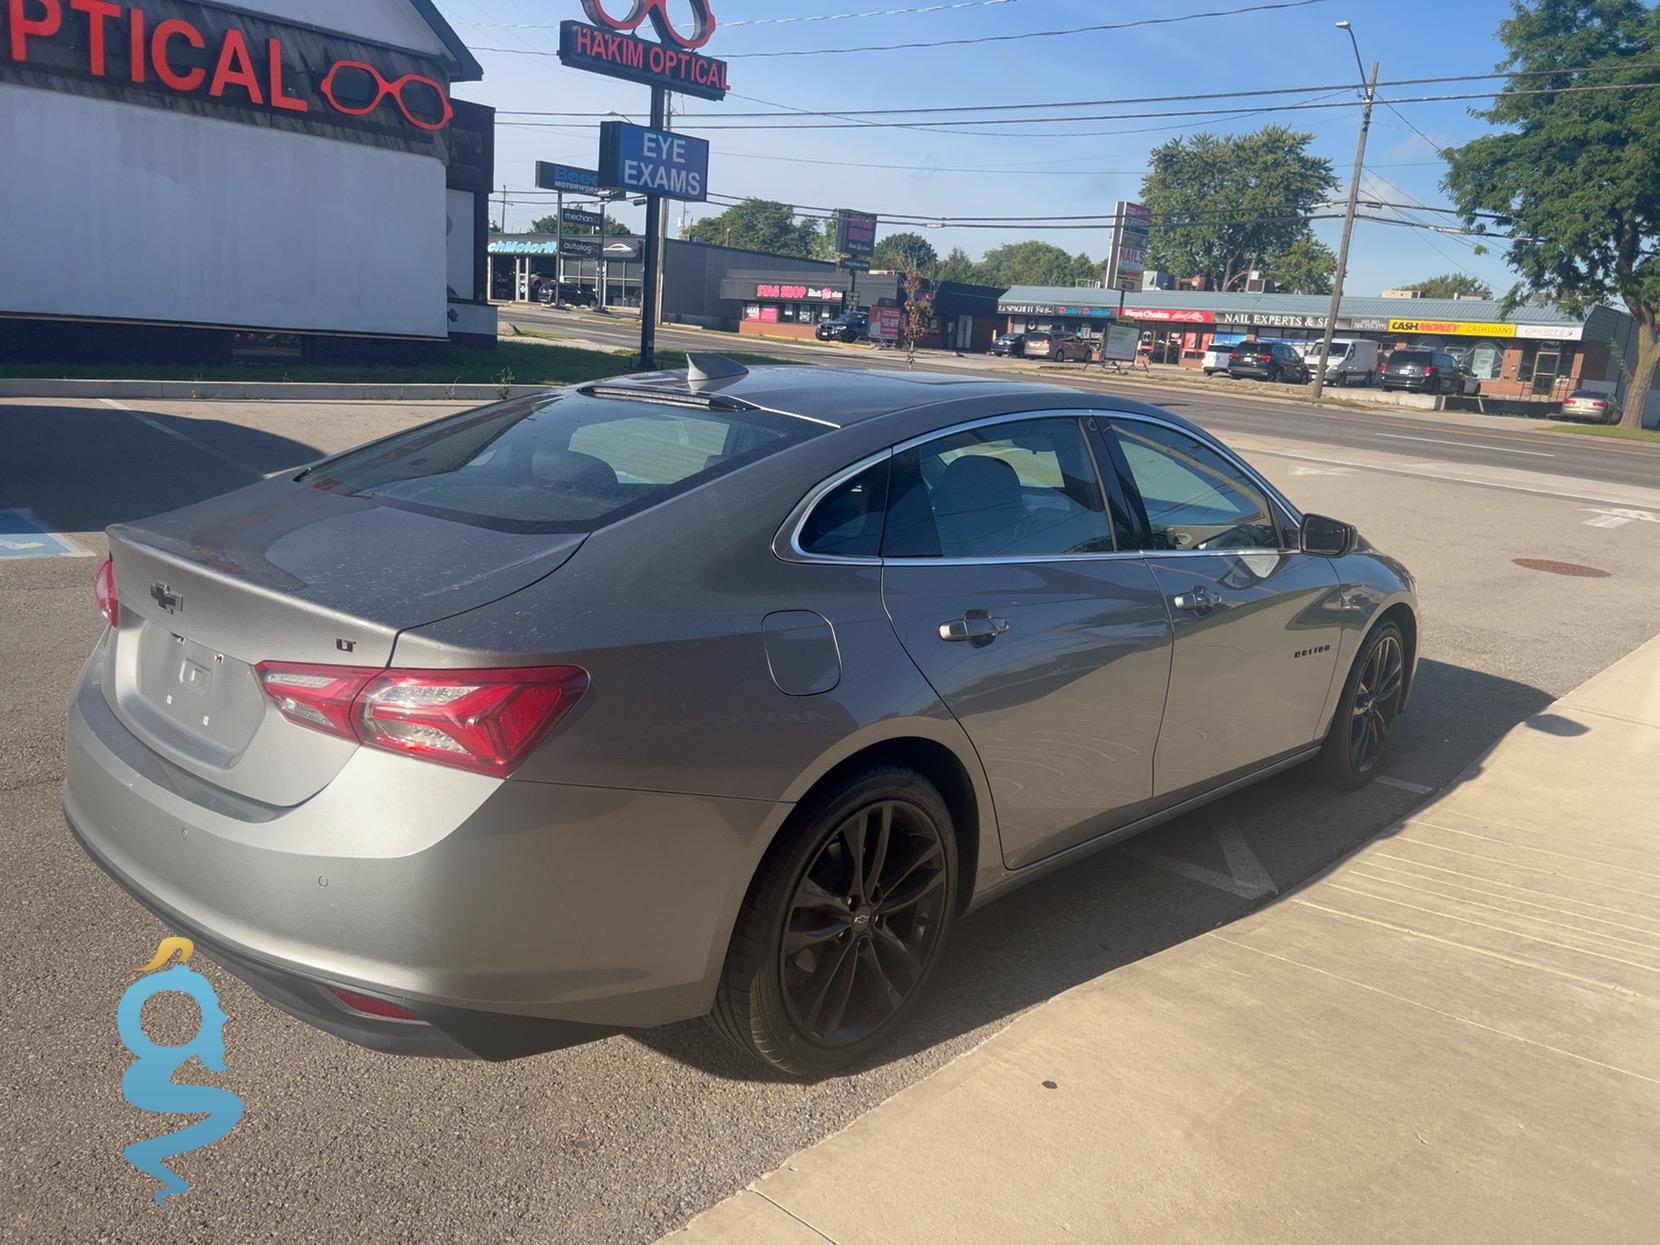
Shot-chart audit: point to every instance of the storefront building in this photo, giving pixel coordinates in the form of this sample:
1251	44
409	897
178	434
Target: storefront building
1535	351
188	179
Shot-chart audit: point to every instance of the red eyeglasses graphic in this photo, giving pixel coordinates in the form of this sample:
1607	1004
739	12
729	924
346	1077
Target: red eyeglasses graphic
703	20
357	89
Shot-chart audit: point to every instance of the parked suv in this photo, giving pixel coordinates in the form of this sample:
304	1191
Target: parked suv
1428	371
1058	346
1273	361
850	326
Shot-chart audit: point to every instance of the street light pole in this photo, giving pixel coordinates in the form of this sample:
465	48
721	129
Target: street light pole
1348	222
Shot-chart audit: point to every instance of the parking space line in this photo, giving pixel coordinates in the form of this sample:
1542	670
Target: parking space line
192	442
1463	445
1404	785
24	535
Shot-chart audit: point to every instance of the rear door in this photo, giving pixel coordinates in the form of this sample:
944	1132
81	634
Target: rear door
1005	582
1257	623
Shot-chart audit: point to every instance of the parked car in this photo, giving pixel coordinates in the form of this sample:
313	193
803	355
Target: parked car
587	711
1216	359
1352	361
1271	361
1011	344
1430	371
570	294
850	326
1058	346
1590	404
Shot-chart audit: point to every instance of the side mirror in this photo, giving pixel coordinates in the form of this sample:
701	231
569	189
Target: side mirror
1326	538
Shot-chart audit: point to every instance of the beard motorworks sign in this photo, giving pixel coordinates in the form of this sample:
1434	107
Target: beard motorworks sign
610	47
196	57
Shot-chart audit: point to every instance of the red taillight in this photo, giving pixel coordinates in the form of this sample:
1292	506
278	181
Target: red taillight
368	1006
479	720
1428	370
1600	405
103	588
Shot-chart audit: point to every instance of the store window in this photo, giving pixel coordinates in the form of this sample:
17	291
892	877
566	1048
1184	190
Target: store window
1485	360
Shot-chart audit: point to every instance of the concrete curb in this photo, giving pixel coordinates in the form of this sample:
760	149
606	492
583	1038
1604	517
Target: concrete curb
256	391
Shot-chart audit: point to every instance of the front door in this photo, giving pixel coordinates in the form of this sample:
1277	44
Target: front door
1005	585
1257	624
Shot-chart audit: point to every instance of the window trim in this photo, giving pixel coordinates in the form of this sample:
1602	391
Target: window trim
787	547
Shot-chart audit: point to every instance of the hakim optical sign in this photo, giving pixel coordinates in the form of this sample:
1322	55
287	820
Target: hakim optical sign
635	158
610	47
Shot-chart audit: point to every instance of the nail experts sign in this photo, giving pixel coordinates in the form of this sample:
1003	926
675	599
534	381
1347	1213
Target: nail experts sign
653	162
610	47
189	56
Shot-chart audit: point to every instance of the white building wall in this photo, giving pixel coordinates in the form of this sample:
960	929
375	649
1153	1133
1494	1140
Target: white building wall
119	211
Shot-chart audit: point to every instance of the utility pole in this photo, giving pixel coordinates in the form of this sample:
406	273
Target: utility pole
661	207
1348	232
654	235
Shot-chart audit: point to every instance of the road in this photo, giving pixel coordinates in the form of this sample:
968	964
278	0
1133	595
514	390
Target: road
1446	439
625	1139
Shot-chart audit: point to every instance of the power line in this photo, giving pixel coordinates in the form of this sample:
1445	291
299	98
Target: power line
784	21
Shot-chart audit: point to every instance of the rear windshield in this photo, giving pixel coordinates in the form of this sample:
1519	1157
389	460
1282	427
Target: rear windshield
1418	357
570	463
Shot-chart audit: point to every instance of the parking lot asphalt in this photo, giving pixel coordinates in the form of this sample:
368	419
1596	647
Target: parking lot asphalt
626	1139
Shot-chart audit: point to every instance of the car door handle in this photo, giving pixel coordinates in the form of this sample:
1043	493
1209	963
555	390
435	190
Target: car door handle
976	627
1201	600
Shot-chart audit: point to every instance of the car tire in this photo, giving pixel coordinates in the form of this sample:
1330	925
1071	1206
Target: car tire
1371	700
775	1003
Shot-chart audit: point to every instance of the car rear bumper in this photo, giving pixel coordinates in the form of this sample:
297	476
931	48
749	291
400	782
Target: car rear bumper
513	917
1409	382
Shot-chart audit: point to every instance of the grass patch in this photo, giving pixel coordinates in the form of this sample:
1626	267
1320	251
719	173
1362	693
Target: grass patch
1605	430
517	363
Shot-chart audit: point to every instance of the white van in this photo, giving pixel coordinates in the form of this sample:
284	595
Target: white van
1351	362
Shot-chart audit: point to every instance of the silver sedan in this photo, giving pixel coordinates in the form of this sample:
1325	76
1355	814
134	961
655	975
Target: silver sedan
717	693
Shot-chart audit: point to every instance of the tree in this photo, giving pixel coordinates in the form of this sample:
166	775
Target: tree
1034	263
1573	177
919	312
1452	285
1304	267
1224	205
956	266
760	225
901	252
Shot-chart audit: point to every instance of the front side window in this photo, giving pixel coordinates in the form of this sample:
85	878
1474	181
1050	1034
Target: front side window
1027	489
570	464
1194	497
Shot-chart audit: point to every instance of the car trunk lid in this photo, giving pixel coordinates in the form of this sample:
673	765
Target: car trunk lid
284	572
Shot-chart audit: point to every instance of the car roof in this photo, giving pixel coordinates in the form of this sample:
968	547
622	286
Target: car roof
840	396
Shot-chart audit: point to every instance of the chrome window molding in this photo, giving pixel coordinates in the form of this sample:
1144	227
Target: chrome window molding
787	543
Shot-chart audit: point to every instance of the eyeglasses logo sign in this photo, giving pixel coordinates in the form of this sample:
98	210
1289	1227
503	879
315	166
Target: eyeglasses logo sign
703	20
357	88
148	1082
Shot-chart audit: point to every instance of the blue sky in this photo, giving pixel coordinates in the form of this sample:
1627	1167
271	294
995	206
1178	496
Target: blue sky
1080	170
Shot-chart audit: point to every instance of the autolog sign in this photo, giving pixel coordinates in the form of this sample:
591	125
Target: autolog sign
198	57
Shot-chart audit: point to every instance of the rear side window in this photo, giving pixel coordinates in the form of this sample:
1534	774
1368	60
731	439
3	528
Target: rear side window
1415	357
847	522
571	463
1027	489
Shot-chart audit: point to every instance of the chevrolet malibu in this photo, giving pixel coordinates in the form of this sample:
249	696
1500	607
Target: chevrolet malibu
720	692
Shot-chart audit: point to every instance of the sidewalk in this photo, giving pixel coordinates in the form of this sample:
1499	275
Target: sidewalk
1452	1036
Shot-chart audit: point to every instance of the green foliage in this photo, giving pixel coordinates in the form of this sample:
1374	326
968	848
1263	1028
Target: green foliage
956	266
1304	267
901	252
1035	263
1224	204
761	225
1452	285
1576	178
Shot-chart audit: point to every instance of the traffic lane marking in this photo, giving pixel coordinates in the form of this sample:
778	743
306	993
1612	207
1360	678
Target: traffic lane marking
202	447
1463	445
24	535
1619	517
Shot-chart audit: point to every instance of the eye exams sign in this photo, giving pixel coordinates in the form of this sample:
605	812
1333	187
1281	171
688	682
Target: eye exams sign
654	162
189	56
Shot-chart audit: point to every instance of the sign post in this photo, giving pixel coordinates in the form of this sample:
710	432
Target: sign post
653	161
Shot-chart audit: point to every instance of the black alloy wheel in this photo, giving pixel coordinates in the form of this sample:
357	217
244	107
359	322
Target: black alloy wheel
842	926
1365	716
863	923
